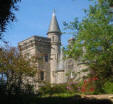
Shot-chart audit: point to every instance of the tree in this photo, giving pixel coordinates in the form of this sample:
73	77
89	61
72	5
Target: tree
111	2
7	8
16	69
94	40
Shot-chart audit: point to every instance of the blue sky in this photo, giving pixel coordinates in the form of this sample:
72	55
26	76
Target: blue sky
33	18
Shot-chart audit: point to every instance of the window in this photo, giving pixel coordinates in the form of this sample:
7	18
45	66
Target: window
72	75
27	55
42	75
3	78
25	44
53	38
46	58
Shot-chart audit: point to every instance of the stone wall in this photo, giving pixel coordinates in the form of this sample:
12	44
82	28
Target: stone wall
38	47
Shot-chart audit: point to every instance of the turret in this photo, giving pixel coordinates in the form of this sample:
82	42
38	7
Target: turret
54	34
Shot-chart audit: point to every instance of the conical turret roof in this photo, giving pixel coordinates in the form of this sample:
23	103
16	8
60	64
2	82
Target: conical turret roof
54	26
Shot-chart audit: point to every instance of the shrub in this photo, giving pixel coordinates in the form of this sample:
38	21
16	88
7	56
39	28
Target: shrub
49	89
89	85
45	89
108	87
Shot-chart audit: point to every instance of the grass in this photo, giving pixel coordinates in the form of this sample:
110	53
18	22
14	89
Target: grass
63	95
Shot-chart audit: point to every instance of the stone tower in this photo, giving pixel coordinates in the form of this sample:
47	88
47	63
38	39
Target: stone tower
54	34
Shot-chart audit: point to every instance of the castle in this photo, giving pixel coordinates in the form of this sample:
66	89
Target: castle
49	51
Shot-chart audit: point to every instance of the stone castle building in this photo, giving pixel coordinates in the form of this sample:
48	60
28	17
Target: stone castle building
48	49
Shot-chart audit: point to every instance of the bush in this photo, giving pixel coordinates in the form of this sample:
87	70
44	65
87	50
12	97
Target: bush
108	87
49	89
45	89
66	88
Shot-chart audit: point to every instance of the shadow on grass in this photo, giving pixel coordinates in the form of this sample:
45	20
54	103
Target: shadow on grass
50	100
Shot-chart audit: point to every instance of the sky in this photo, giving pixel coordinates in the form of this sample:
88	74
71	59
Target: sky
34	16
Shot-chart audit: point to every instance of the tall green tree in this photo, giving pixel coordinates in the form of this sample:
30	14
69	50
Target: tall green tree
94	40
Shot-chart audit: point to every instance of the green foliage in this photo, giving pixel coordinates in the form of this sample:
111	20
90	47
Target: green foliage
71	87
108	87
7	8
16	70
94	41
111	2
49	89
45	89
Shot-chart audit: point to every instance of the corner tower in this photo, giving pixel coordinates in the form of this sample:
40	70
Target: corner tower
54	34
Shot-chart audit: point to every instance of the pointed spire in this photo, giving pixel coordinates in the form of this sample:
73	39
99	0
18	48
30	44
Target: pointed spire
54	27
54	13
